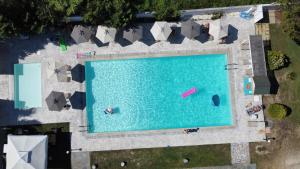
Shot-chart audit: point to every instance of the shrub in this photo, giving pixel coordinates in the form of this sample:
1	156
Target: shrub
277	111
216	15
166	10
277	60
291	76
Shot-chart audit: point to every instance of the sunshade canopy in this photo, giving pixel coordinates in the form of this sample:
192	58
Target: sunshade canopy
190	29
56	101
78	73
78	100
106	34
218	29
161	31
26	152
81	34
133	34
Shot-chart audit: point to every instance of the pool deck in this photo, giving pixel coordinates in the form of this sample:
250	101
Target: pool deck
40	50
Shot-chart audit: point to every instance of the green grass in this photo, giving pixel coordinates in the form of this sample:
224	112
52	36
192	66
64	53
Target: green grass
289	90
164	158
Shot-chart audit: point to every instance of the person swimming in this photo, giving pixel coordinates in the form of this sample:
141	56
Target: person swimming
108	110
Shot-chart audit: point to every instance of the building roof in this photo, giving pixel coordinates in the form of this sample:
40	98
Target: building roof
260	76
26	152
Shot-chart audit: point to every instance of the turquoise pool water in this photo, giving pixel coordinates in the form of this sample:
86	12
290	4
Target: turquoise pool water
27	85
146	93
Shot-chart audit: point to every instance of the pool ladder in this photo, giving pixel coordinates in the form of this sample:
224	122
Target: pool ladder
231	66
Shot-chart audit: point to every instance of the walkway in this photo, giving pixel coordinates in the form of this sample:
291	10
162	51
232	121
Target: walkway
238	166
80	160
240	153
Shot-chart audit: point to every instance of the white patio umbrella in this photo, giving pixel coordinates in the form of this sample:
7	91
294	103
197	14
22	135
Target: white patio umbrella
26	152
133	34
190	29
218	29
161	31
106	34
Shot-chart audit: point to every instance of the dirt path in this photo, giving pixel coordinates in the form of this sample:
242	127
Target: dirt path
283	153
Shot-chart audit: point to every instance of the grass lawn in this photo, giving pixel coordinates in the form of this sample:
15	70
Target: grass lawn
58	141
164	158
289	90
286	147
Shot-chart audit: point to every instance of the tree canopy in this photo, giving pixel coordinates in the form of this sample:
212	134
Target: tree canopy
291	18
34	16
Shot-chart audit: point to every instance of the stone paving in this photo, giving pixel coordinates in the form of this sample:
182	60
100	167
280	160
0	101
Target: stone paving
237	166
41	49
240	153
80	160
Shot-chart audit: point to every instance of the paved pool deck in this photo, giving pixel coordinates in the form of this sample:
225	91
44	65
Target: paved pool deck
40	49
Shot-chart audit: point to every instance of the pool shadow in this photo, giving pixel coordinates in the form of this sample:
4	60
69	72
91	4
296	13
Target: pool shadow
90	99
116	110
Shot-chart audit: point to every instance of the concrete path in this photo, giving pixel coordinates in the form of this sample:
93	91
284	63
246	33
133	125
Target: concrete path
240	153
80	160
237	166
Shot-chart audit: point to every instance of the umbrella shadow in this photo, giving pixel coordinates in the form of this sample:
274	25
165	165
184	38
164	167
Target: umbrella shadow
78	100
78	73
97	42
176	37
232	34
147	39
204	36
119	38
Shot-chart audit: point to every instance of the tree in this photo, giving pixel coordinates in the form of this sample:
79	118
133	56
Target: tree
25	17
166	10
115	13
277	111
123	15
277	60
97	12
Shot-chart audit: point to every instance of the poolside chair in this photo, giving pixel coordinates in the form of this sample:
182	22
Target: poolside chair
62	44
69	79
67	96
247	14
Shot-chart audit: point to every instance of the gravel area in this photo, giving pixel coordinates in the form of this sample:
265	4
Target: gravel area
240	153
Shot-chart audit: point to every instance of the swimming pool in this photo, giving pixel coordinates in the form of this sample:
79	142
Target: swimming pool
27	86
146	93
